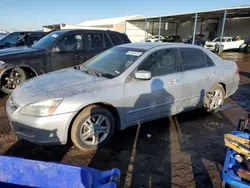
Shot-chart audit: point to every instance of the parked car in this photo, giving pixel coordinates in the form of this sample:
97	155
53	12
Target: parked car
155	38
57	50
173	38
23	38
199	41
121	87
228	43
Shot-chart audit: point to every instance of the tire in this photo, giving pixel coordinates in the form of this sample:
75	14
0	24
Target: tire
214	99
83	122
243	48
22	76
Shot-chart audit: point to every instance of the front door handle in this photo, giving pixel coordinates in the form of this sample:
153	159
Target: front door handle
174	81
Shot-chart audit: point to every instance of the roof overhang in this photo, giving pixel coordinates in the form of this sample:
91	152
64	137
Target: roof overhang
235	12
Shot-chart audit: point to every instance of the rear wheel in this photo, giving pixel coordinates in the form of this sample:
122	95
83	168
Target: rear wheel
243	48
214	99
93	127
12	79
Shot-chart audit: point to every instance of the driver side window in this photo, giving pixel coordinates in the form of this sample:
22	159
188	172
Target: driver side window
69	43
160	63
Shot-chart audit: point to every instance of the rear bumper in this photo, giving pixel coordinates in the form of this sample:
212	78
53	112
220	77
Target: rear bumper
41	130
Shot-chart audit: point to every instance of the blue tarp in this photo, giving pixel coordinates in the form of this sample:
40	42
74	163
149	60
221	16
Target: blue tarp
17	172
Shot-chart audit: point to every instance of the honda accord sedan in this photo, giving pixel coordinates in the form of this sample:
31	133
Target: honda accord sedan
121	87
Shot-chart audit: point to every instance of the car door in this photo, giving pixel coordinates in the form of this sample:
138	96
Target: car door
67	51
197	77
94	44
228	44
149	99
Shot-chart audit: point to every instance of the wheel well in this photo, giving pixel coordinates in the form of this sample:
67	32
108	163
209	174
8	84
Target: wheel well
109	107
224	87
31	73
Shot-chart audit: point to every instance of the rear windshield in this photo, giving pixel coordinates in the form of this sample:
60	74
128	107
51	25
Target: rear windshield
48	40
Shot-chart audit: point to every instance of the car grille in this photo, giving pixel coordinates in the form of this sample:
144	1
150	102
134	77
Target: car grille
12	104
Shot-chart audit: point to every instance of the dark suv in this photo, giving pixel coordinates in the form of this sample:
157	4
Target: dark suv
57	50
23	38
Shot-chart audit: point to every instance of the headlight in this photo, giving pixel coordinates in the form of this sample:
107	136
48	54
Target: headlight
41	108
1	63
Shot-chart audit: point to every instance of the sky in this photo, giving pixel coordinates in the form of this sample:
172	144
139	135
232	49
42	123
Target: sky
33	14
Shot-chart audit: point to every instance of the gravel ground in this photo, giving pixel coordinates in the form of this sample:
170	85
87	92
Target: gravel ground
186	150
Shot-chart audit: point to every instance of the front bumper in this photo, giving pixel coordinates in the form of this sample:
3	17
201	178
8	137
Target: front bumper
41	130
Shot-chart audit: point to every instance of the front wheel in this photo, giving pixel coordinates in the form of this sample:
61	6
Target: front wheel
214	99
12	79
93	127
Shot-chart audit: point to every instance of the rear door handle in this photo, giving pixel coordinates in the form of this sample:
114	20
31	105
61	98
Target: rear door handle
174	81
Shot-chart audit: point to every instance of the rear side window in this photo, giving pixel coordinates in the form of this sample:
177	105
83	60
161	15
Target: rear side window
210	62
234	39
192	58
115	39
124	38
107	42
95	40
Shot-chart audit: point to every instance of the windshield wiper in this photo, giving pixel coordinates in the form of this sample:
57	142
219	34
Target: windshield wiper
97	73
84	69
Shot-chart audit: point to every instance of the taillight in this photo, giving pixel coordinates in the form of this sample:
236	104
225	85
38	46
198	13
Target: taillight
237	71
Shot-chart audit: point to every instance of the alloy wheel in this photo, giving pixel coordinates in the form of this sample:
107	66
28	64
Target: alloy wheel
95	129
216	99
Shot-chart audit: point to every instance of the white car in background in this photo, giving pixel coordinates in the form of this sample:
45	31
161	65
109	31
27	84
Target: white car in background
154	38
228	43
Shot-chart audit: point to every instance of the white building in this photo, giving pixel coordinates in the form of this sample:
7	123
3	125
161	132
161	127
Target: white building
113	24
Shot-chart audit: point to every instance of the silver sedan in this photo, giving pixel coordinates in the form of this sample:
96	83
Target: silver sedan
121	87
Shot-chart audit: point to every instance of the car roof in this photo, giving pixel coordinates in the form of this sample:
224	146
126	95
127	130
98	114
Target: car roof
28	32
150	45
85	30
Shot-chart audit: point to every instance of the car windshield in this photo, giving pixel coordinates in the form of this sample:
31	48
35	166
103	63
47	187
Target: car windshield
218	40
112	62
47	40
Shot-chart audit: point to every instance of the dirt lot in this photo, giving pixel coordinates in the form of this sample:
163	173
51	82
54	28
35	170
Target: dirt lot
186	150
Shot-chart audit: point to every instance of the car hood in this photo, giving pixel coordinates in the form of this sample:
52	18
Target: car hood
60	84
17	50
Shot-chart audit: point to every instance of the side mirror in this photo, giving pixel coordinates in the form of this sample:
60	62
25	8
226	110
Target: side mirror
143	75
